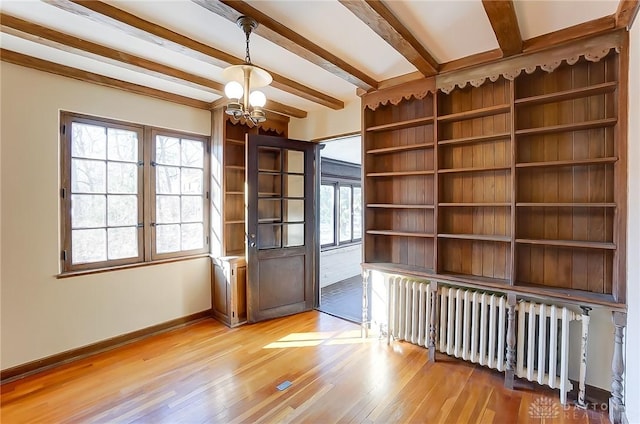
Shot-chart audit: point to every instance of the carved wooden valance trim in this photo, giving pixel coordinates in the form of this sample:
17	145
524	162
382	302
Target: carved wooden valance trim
271	124
418	89
592	49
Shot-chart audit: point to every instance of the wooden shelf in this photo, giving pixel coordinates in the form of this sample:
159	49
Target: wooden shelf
235	253
394	149
235	141
474	169
480	237
236	167
607	87
476	139
475	204
237	221
410	123
577	162
576	126
399	206
569	243
399	173
454	278
582	297
399	233
234	192
566	205
476	113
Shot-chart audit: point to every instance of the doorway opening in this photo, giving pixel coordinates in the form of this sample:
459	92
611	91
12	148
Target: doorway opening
341	228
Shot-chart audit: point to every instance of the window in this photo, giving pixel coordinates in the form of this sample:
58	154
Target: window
130	193
340	213
327	214
179	194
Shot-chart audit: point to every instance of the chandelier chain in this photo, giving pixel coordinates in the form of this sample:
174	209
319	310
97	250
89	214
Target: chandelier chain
247	57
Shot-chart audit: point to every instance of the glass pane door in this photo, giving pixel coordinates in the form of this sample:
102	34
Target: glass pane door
280	198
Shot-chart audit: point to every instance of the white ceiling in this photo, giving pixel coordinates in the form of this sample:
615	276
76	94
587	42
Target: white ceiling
542	17
448	29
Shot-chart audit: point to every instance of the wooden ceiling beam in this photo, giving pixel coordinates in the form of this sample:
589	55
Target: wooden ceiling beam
626	13
502	16
283	36
383	22
130	24
69	72
282	109
51	38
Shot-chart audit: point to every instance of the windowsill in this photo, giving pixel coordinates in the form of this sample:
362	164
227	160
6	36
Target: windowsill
340	246
70	274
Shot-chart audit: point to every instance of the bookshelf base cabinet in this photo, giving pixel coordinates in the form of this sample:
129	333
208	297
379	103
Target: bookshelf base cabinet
229	290
513	181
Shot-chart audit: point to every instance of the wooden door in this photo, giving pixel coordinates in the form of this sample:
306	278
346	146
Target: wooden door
280	226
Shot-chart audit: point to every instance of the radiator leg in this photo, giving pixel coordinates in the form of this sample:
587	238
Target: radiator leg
433	320
365	304
616	401
510	366
583	356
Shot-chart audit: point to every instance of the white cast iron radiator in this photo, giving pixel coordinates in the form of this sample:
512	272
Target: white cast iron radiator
409	310
542	353
472	325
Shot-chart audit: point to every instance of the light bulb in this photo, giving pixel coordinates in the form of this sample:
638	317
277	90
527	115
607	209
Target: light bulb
233	90
257	99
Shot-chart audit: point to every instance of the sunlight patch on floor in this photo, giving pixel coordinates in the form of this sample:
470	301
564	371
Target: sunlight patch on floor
320	338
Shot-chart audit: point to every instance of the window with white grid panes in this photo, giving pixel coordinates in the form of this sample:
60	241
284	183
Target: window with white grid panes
130	193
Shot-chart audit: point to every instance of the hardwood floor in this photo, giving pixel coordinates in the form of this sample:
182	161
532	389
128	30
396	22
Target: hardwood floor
209	373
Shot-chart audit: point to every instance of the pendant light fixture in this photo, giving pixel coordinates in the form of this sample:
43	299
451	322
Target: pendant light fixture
244	100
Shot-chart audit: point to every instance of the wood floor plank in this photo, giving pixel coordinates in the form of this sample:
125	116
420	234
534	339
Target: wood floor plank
206	372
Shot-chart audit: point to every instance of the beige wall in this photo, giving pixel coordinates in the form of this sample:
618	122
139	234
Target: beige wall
40	314
633	235
326	123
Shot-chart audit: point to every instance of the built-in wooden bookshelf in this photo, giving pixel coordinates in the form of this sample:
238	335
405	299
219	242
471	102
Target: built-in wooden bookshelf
399	163
513	181
565	164
474	181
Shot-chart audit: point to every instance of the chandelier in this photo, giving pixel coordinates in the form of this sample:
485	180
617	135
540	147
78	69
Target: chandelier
243	102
